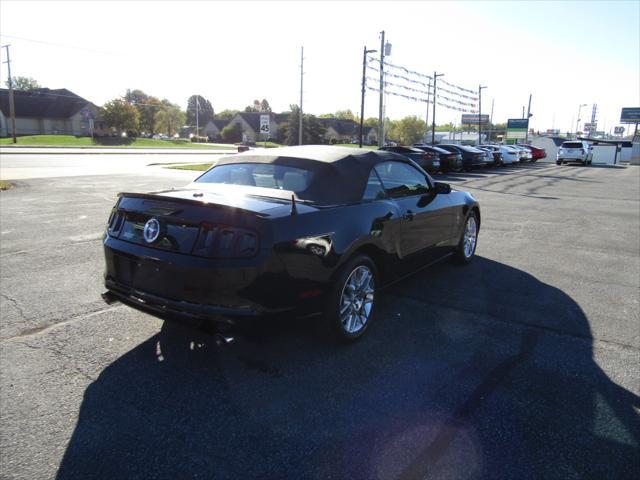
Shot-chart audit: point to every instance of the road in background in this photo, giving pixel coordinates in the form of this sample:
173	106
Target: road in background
523	364
19	166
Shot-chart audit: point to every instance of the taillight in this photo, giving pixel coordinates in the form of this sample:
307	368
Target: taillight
116	220
223	241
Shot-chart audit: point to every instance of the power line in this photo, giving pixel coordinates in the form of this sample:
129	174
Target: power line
33	40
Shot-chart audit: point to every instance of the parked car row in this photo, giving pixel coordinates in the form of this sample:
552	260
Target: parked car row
446	157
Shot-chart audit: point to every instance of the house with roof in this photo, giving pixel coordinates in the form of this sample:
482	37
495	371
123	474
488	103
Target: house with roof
45	111
250	124
213	128
347	131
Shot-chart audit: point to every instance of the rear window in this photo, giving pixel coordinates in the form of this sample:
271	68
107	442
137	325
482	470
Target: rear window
572	145
278	177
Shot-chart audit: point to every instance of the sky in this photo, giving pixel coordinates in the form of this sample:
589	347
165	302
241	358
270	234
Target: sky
563	53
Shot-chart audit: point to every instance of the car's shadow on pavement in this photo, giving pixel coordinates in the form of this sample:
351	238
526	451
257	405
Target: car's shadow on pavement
476	372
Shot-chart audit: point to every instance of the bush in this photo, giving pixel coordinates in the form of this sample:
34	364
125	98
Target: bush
200	139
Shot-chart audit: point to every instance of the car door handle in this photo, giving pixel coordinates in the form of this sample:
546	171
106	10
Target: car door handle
408	215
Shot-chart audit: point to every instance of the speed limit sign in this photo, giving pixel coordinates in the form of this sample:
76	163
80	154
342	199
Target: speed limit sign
265	126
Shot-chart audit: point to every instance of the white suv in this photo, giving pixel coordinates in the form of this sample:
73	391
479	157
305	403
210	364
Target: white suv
574	151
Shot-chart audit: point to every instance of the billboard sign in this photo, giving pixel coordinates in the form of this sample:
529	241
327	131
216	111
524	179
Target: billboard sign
618	130
472	119
517	127
630	115
590	126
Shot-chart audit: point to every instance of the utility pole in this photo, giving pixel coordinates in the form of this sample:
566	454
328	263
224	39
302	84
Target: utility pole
526	135
12	107
578	120
197	120
381	108
301	84
522	111
364	80
427	115
433	125
480	87
491	120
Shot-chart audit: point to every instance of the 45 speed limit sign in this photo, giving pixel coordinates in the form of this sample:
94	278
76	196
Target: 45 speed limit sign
265	126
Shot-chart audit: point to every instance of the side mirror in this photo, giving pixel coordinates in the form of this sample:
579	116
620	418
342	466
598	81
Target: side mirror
441	187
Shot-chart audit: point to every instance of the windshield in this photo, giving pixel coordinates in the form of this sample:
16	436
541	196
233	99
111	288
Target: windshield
262	175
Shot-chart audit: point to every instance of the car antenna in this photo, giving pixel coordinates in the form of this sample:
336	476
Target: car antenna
294	209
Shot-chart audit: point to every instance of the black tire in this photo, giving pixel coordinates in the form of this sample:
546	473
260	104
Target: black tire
460	257
558	163
457	166
331	317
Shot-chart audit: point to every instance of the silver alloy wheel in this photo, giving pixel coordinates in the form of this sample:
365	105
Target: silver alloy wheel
356	300
470	235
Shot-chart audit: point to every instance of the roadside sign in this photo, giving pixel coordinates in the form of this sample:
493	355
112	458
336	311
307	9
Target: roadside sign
618	130
472	119
590	126
517	128
265	125
630	115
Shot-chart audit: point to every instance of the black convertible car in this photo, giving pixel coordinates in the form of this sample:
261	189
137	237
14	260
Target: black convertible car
294	230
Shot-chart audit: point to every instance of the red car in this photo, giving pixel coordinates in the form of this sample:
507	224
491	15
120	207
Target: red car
536	153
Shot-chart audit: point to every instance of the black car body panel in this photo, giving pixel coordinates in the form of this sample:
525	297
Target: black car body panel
471	157
229	251
449	161
429	162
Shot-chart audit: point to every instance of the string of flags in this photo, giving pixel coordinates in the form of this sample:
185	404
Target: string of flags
454	98
425	100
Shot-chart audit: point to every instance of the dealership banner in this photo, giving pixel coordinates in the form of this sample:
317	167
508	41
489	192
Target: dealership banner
517	128
473	119
630	115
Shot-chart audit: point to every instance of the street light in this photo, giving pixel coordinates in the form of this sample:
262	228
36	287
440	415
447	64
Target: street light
578	121
364	73
433	125
480	87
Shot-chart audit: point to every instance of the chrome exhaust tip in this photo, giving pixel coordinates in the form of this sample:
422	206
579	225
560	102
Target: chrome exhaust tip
223	339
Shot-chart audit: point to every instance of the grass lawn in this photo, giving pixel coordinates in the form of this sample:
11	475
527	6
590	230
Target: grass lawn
110	142
4	185
199	166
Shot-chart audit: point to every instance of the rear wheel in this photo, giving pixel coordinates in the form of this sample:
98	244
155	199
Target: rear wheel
351	303
558	162
457	166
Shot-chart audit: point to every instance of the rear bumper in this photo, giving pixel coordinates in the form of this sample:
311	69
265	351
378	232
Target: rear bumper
172	284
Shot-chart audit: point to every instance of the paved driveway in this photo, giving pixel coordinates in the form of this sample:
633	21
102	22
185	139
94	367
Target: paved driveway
522	365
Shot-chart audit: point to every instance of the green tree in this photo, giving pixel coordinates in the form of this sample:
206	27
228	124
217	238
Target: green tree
258	106
312	130
409	130
147	106
342	115
204	110
226	114
264	106
121	115
169	119
23	83
232	133
371	122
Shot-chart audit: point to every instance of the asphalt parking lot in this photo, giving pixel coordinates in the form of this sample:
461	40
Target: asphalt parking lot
524	364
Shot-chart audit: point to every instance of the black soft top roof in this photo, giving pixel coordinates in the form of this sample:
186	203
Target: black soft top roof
341	173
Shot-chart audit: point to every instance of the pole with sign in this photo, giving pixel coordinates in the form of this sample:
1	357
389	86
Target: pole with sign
265	127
